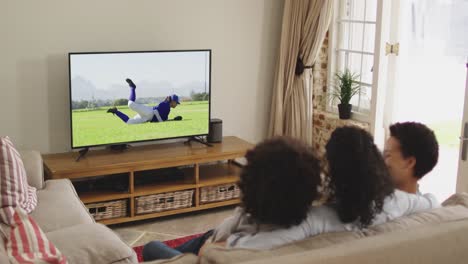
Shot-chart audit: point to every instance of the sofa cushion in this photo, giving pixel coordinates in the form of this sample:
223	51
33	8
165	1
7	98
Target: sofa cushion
91	243
27	243
446	243
34	168
457	199
3	253
14	188
59	207
455	208
431	217
216	254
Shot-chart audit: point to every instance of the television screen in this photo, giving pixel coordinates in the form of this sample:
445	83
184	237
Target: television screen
124	97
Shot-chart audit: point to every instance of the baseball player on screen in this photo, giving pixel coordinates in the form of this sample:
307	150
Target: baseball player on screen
146	113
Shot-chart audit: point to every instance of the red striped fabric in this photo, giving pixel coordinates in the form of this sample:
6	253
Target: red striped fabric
26	243
14	188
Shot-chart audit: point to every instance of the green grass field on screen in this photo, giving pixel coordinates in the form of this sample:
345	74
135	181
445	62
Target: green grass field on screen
96	127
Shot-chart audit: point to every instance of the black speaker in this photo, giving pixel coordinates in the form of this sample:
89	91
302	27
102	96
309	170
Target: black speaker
216	131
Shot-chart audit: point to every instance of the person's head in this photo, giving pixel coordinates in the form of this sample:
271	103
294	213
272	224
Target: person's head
173	100
358	179
410	152
279	182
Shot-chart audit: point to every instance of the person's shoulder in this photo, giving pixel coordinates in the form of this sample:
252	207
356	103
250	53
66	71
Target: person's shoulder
164	104
431	197
397	196
397	199
400	194
322	213
427	198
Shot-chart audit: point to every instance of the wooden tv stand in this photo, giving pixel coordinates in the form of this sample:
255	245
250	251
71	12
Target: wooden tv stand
203	166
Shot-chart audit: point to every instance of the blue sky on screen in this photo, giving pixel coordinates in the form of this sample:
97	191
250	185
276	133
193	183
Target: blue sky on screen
177	68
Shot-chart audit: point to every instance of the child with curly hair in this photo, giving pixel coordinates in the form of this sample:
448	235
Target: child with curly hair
278	185
361	193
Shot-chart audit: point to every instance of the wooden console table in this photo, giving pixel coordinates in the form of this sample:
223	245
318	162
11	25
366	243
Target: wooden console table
203	166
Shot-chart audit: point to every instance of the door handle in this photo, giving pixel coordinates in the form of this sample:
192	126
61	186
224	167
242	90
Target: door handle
464	140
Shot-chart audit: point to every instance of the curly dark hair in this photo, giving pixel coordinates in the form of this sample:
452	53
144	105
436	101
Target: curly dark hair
359	180
279	182
418	141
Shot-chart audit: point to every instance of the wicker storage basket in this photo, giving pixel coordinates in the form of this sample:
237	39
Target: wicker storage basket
163	202
223	192
107	210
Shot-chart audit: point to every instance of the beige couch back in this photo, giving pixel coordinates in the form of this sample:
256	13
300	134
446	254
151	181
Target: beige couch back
445	243
217	255
454	210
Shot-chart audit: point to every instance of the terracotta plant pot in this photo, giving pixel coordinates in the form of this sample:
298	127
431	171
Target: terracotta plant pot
345	111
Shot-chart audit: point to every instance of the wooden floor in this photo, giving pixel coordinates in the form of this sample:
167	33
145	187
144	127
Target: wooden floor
171	227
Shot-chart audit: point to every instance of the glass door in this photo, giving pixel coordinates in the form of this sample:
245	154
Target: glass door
426	79
462	181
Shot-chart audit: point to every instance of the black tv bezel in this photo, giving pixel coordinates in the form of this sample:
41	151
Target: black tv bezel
134	51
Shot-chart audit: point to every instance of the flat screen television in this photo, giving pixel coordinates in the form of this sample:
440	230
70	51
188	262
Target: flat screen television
125	97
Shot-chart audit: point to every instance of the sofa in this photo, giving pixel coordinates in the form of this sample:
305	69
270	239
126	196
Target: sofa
445	243
436	236
66	222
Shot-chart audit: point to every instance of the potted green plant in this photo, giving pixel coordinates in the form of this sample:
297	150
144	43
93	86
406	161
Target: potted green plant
346	86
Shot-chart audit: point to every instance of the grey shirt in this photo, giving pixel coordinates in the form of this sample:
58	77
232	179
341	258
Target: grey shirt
239	231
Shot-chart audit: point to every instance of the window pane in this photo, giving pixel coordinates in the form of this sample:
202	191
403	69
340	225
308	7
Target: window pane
344	35
371	10
353	62
367	69
359	37
369	40
362	104
353	9
355	102
366	93
357	9
340	60
352	36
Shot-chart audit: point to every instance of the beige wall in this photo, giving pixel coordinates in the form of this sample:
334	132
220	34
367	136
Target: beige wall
35	37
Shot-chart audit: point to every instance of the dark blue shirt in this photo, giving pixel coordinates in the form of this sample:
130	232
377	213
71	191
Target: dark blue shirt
164	108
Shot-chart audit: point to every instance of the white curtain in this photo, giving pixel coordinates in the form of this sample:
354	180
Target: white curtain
305	24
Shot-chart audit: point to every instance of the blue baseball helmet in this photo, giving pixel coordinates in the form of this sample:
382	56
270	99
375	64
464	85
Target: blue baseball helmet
175	98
